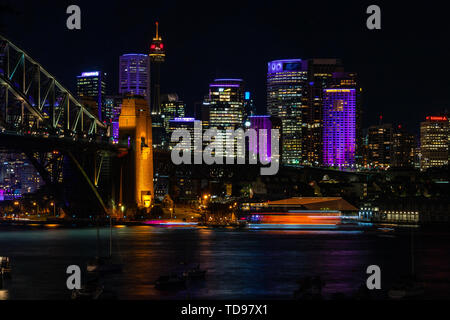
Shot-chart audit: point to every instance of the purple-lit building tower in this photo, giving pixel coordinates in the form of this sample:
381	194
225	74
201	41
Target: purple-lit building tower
134	75
339	127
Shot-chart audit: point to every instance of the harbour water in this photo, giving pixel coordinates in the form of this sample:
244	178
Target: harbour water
241	264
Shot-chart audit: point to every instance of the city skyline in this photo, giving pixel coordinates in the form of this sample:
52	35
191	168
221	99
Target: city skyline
264	151
245	56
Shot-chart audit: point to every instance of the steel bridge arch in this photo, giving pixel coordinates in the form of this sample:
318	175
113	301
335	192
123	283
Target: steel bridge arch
51	104
32	98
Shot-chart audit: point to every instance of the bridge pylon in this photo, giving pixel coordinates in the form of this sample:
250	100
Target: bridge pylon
135	130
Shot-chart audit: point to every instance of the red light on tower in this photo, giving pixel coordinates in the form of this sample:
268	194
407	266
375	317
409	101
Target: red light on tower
157	53
434	118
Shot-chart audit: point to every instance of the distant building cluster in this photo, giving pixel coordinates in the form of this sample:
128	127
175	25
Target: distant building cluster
17	177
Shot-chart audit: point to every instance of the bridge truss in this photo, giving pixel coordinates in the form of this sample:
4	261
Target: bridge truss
40	117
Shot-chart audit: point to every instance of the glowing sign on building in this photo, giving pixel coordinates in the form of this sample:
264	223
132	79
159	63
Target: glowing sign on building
434	118
90	74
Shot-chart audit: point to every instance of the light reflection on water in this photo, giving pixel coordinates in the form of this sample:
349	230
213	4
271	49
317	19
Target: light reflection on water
3	294
241	263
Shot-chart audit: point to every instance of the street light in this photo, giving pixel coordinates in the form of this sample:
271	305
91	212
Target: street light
53	204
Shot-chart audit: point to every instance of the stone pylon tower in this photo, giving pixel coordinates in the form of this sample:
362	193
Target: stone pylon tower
135	128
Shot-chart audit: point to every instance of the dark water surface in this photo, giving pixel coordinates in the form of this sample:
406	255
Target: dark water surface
250	264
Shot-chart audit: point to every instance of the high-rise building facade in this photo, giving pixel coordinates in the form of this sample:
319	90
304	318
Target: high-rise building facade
249	105
171	107
111	110
434	139
287	99
403	148
339	127
348	80
224	108
134	75
320	75
183	123
380	146
91	89
226	104
267	123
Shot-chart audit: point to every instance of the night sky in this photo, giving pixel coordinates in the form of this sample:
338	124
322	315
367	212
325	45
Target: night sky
404	68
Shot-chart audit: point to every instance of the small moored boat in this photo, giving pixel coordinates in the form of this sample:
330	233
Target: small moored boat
194	273
170	282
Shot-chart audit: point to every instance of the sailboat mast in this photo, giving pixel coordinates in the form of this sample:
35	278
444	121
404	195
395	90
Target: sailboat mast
412	251
98	239
110	236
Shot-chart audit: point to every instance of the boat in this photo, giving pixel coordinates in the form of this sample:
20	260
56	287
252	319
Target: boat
309	288
406	288
194	273
91	291
170	282
103	265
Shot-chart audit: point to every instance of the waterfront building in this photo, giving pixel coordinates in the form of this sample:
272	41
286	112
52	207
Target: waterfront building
434	140
287	99
134	75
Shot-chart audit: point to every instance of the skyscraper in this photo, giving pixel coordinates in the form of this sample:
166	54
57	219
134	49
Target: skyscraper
226	104
182	123
134	75
380	145
403	148
348	80
320	75
157	56
111	108
171	107
287	99
434	135
91	88
249	105
263	122
339	127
